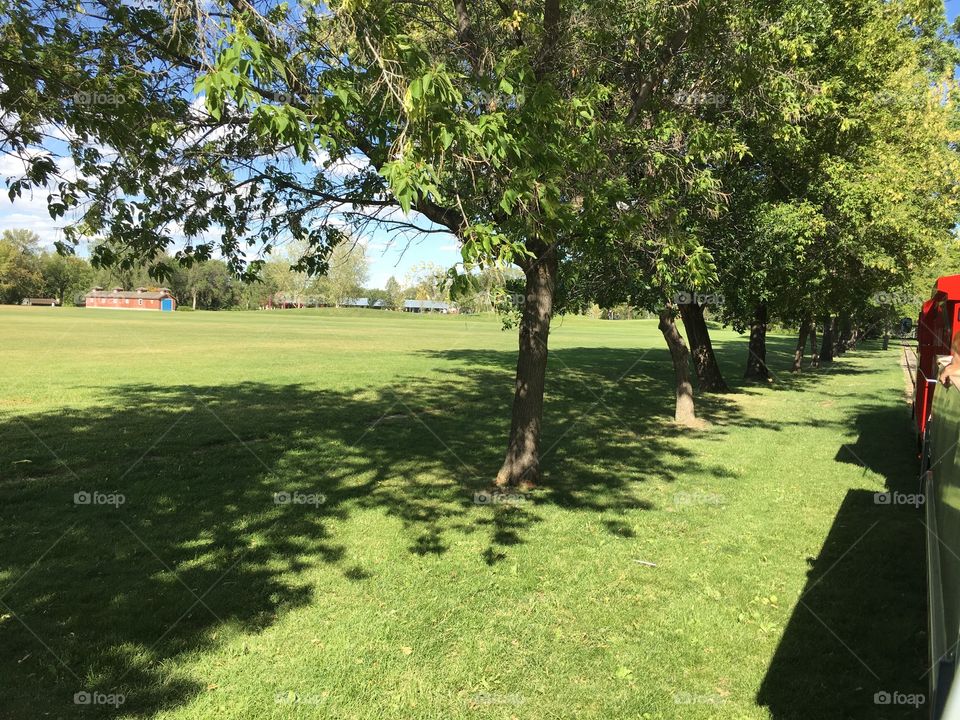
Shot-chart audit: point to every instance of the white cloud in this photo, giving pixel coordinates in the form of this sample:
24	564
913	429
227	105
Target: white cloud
30	213
341	168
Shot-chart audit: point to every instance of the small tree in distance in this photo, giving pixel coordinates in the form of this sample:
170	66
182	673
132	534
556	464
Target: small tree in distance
347	273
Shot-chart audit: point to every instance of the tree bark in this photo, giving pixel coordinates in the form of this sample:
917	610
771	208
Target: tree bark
757	348
814	348
709	377
521	466
194	293
801	345
826	345
845	333
684	412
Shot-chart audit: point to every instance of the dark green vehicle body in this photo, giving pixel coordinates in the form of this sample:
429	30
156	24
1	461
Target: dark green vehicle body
942	508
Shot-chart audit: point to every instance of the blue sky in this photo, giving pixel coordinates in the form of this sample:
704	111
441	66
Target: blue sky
395	257
386	258
388	254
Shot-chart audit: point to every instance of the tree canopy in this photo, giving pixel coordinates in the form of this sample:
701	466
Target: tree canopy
787	157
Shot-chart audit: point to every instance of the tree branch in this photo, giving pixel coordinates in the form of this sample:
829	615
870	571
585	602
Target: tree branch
668	51
466	36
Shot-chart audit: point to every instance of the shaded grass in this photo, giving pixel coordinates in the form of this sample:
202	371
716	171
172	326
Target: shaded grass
779	589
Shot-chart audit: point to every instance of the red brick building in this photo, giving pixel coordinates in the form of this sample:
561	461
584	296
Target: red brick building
139	299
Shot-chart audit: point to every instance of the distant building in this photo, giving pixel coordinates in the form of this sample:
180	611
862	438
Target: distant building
47	302
425	306
364	303
139	299
285	301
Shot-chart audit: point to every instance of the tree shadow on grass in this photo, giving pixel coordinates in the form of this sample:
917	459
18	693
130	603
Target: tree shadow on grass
105	596
731	356
858	628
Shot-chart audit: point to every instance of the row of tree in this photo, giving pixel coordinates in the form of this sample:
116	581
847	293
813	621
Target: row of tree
27	270
792	156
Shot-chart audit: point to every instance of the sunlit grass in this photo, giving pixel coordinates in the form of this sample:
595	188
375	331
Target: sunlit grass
657	573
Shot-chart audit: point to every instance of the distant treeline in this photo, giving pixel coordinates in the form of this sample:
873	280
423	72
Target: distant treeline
27	270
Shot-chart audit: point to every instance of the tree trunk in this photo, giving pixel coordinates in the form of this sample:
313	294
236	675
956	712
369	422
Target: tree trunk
521	466
801	345
709	378
844	335
757	348
826	346
814	348
684	412
194	293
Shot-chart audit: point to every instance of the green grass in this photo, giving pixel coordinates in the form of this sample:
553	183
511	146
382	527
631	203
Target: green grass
780	590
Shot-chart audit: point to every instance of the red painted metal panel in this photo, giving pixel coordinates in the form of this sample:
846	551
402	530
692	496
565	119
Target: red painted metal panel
937	327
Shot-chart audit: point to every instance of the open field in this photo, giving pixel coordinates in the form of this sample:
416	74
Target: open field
780	589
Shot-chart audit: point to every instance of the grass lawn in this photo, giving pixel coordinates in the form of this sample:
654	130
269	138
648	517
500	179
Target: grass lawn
778	588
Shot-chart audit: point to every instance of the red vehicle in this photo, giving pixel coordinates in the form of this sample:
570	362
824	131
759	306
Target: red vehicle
936	328
936	409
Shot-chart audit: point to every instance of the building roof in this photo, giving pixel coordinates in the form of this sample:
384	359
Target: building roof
427	304
129	294
356	302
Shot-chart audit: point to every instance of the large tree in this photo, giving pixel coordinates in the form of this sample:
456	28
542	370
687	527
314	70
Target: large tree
210	285
860	190
537	133
20	272
65	276
495	122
